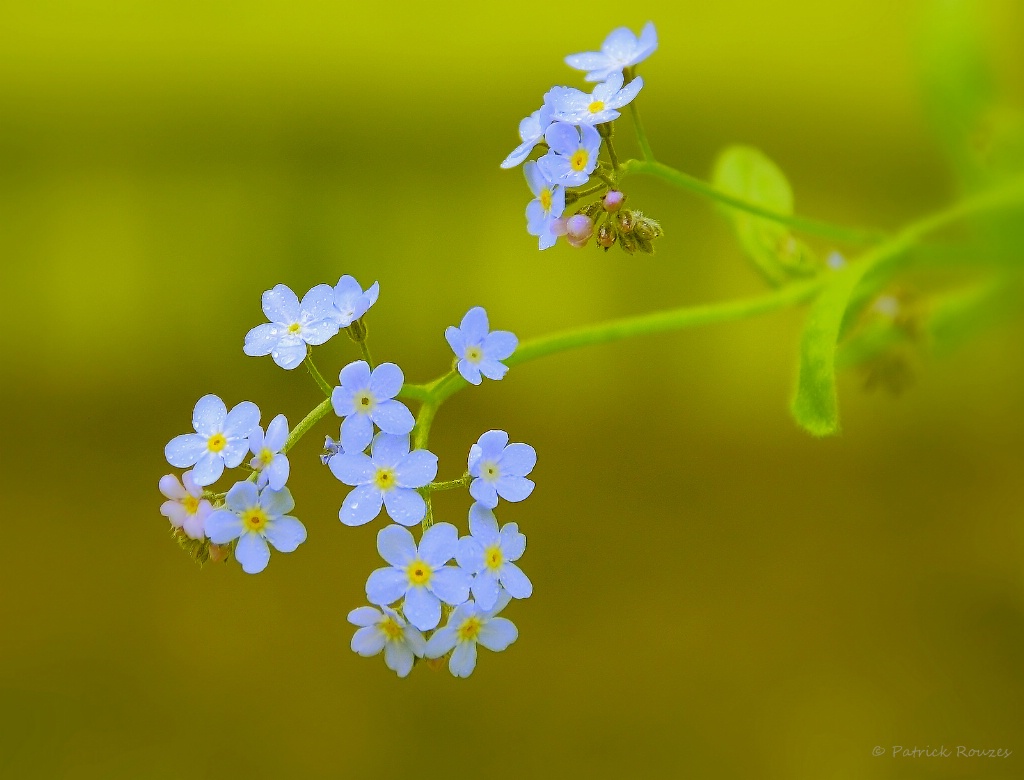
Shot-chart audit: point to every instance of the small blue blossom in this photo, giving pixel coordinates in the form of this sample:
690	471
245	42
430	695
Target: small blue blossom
488	554
384	629
547	206
478	349
468	626
579	108
621	49
292	324
269	461
350	302
500	469
389	476
573	155
531	130
221	439
419	574
331	448
254	518
365	398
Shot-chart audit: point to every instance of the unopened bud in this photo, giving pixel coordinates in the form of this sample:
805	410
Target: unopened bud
627	241
579	229
613	199
592	209
558	226
357	331
644	245
625	221
606	235
648	229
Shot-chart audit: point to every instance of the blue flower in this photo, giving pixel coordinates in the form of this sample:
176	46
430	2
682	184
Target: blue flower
621	49
256	517
365	398
384	629
350	302
269	461
292	324
573	155
389	476
579	108
221	439
531	130
419	574
545	208
488	554
478	350
468	626
500	469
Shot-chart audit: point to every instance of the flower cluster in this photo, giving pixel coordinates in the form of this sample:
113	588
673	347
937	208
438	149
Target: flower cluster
463	581
570	128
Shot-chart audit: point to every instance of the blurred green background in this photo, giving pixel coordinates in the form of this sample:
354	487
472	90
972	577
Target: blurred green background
716	594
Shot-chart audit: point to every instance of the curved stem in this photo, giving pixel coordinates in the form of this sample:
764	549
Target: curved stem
701	187
638	126
318	377
307	422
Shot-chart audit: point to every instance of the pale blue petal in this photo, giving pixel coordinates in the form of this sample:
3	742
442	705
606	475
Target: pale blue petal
416	469
252	552
356	433
627	94
470	372
591	139
513	543
492	369
364	616
317	304
514	581
438	544
281	305
500	344
518	460
261	340
277	433
386	380
474	325
518	154
183	451
588	60
563	137
393	417
355	376
222	526
474	458
497	634
415	640
346	291
352	468
277	503
503	600
463	660
234	452
370	296
469	554
256	440
404	506
484	492
647	44
286	534
455	340
319	332
620	44
242	496
276	474
451	585
208	469
398	658
535	178
514	488
289	356
442	641
343	402
388	449
361	505
209	415
396	545
492	443
368	641
486	589
385	586
483	525
422	608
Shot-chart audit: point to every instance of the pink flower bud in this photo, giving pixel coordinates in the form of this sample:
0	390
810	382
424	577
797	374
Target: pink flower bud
558	226
579	229
613	199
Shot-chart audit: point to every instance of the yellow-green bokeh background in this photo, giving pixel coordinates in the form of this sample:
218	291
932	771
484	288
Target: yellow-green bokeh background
717	595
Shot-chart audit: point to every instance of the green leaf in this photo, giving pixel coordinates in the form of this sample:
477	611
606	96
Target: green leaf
749	175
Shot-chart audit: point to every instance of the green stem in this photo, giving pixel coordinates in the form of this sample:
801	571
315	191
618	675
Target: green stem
308	422
701	187
365	352
421	433
450	484
638	126
318	377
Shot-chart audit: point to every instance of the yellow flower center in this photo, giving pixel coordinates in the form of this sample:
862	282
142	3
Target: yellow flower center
364	402
545	198
469	629
294	328
254	519
419	572
391	629
266	456
384	479
216	443
597	105
493	558
474	354
579	160
191	504
489	471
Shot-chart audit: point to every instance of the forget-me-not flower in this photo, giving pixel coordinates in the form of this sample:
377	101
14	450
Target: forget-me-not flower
572	105
389	476
351	302
500	469
419	574
256	517
365	398
546	207
531	130
621	49
221	439
185	506
478	349
268	460
573	155
468	626
293	324
489	554
384	629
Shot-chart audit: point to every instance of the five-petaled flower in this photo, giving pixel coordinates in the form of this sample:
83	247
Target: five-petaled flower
500	469
531	130
573	155
292	324
221	439
389	476
350	302
468	626
384	629
479	349
489	554
256	517
419	574
365	398
621	49
185	506
546	207
579	108
268	460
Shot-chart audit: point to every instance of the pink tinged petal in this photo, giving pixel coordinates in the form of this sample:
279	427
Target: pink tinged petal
242	496
492	369
416	469
626	95
405	506
385	586
386	380
252	552
451	585
171	487
470	554
500	344
438	544
364	616
415	640
222	526
361	505
441	642
209	415
281	305
518	460
398	658
393	417
277	502
208	469
193	489
368	641
396	545
483	525
174	512
277	472
286	534
352	468
514	488
234	453
492	443
515	582
355	376
463	660
388	449
486	590
474	324
455	340
356	433
421	608
513	543
319	332
497	634
241	420
289	356
195	525
262	339
484	492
